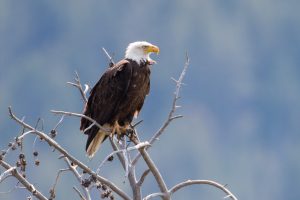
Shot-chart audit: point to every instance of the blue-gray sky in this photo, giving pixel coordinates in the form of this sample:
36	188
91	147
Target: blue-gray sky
241	101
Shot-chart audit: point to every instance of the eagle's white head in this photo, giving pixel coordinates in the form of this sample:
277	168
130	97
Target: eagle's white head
140	51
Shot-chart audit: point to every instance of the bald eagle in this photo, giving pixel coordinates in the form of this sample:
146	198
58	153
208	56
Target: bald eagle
119	95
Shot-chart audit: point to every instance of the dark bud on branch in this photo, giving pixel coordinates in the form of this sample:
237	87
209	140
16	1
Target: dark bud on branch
93	179
19	143
13	147
53	133
98	185
104	187
21	156
111	158
106	194
86	183
35	153
37	162
52	194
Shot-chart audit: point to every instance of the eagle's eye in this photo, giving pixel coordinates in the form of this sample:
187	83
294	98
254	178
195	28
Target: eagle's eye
144	47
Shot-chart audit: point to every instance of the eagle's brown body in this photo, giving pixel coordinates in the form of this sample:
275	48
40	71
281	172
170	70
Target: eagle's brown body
117	97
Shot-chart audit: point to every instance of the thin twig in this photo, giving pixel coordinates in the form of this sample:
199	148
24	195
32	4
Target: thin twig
78	85
38	122
15	143
79	193
59	122
21	140
33	144
136	147
24	134
52	190
81	115
135	125
109	57
12	189
143	177
89	127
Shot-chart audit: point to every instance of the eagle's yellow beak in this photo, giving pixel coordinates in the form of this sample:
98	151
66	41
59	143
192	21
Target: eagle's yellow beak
152	49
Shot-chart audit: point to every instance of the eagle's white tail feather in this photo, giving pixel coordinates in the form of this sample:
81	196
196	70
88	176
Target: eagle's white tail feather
95	144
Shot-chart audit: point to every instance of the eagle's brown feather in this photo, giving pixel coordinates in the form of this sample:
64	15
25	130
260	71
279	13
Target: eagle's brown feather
117	96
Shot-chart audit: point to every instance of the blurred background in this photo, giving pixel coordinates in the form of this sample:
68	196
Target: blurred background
241	101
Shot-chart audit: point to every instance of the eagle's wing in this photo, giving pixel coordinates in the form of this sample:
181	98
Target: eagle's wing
106	95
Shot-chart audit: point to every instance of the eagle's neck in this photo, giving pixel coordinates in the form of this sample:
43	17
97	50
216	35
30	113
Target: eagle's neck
142	63
138	58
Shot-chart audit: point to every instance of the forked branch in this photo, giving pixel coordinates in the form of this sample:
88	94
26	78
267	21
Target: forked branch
78	85
30	187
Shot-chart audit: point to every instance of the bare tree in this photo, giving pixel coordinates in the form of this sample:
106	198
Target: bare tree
91	178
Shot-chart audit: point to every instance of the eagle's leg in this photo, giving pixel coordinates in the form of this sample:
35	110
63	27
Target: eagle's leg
131	134
119	130
116	130
113	130
124	128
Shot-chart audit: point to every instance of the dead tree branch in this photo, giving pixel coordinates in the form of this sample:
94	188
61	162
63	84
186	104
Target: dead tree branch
202	182
160	181
14	188
120	148
30	187
54	144
193	182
